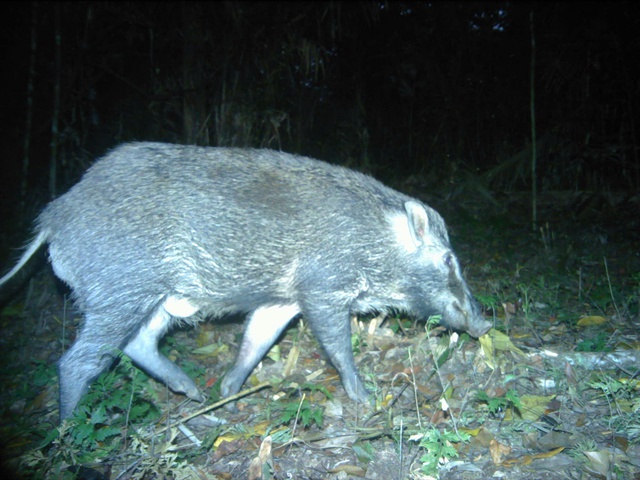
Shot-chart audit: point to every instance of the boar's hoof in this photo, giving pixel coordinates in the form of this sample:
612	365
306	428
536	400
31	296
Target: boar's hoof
195	395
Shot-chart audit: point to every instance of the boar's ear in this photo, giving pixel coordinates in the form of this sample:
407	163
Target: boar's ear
418	221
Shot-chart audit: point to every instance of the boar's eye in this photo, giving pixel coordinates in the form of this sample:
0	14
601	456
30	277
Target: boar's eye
448	260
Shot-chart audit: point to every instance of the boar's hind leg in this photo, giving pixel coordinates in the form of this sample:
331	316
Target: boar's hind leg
92	352
143	348
263	328
333	332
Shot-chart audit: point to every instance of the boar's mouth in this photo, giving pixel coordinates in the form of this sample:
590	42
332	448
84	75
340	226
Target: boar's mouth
470	320
478	328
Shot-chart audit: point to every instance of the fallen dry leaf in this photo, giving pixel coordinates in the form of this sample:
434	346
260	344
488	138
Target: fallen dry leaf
528	459
261	465
498	451
533	406
591	321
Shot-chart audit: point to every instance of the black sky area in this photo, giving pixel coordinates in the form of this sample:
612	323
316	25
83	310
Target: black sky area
395	89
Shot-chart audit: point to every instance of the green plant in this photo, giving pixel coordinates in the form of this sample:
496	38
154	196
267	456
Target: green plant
305	414
159	459
100	423
443	350
357	342
122	390
438	447
30	382
192	369
280	436
311	387
365	451
433	321
624	404
42	373
527	302
488	302
597	344
398	322
500	404
614	389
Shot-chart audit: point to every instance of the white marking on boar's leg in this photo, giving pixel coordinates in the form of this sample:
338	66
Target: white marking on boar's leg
263	328
143	348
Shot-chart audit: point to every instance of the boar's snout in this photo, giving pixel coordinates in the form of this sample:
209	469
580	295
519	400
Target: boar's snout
469	318
478	327
475	324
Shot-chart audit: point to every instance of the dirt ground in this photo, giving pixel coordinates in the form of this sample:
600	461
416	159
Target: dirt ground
554	397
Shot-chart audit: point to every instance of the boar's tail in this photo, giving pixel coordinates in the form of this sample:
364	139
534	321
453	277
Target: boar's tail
32	248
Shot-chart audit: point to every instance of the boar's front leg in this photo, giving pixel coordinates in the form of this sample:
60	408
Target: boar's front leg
263	328
333	331
143	348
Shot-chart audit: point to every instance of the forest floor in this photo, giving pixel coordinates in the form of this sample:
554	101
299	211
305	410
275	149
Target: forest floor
551	393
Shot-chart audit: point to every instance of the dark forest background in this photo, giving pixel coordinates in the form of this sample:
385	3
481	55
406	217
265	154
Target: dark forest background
437	99
439	91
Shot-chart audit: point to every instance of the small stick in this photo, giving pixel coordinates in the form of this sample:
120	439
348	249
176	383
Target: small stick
219	404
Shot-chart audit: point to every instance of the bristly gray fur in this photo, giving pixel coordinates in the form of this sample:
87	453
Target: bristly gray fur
155	233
